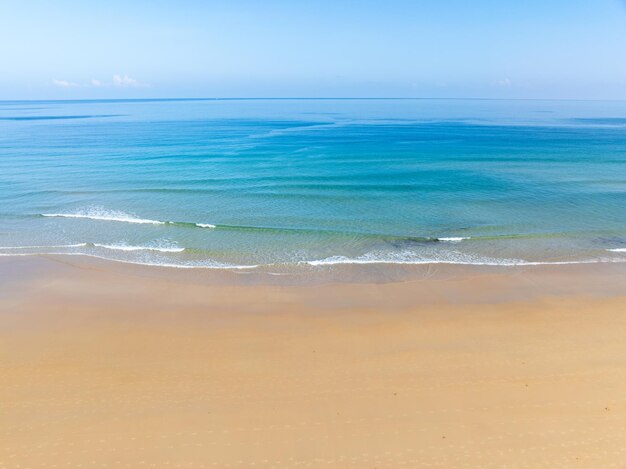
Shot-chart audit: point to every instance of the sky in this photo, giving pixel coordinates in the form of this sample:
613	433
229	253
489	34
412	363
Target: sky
554	49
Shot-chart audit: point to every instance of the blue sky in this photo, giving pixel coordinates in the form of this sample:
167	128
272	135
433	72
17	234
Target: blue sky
269	48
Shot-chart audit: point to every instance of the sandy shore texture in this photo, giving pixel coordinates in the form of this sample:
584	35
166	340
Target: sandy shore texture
109	366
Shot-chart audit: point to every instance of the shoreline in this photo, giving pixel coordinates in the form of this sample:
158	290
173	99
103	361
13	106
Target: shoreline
453	367
357	272
173	256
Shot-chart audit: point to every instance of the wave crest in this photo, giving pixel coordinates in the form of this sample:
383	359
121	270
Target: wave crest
126	247
101	214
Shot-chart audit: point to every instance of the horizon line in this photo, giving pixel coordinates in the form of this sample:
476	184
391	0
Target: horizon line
294	98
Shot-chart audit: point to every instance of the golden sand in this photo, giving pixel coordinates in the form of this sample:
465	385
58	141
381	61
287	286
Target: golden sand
111	367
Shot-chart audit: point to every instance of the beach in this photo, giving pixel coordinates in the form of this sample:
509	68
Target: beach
351	235
111	365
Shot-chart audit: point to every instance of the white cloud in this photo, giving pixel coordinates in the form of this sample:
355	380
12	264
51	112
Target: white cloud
503	82
64	83
126	81
121	81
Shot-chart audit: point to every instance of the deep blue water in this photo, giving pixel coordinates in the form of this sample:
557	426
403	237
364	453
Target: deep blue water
309	182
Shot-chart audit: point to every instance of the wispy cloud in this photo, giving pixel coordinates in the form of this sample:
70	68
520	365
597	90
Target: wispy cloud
65	84
126	81
503	82
119	81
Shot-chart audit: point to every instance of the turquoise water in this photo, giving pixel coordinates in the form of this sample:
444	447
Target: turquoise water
307	184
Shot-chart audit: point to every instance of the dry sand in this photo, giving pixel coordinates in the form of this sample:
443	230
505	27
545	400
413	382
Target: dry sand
104	366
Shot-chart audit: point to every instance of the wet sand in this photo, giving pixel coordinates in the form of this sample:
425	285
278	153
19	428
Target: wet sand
104	365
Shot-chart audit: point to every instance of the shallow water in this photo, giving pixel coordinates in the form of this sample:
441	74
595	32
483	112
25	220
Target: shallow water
295	184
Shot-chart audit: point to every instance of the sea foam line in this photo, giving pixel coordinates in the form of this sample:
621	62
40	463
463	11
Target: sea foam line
503	263
114	247
126	247
120	217
326	262
101	214
454	260
215	265
617	250
58	246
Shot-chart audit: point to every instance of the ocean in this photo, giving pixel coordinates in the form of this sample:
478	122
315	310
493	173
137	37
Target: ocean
306	184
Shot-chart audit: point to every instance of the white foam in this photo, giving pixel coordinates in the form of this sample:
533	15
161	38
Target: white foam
98	213
410	258
205	225
126	247
328	261
335	260
617	250
453	239
204	265
58	246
